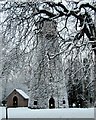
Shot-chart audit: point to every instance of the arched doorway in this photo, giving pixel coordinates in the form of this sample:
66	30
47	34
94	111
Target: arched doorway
15	101
51	103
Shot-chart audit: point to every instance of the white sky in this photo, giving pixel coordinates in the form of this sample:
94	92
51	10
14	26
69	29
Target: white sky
66	0
73	0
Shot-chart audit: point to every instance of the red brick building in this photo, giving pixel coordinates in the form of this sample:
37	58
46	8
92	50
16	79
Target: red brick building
17	98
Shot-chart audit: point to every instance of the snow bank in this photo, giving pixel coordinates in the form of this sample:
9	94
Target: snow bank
48	113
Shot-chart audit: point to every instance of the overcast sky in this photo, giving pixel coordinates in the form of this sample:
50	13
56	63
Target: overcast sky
73	0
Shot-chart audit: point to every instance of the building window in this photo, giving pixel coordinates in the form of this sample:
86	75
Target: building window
35	102
15	101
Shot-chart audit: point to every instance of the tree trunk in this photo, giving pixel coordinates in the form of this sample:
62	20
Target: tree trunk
95	77
95	63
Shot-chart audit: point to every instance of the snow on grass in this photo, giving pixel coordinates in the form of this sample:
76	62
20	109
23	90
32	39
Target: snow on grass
48	113
2	112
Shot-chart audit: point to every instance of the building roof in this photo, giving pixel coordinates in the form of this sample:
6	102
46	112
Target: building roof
22	93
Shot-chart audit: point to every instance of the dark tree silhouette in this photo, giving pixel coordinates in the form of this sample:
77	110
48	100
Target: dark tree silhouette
76	29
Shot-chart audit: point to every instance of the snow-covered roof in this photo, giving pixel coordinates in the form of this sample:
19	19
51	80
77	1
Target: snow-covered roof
22	93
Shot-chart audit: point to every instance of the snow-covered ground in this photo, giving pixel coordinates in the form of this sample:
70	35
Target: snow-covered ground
47	113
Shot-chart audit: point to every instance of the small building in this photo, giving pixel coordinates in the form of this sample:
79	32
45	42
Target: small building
17	98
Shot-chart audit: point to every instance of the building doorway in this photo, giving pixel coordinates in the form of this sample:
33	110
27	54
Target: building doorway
51	103
15	101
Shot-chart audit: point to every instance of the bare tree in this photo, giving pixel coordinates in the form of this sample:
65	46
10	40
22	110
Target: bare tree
76	30
82	30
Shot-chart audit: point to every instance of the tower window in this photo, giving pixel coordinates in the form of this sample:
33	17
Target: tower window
63	101
51	103
35	102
